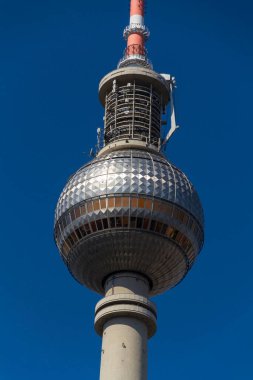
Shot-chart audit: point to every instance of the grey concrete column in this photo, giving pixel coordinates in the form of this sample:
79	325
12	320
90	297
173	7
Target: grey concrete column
125	319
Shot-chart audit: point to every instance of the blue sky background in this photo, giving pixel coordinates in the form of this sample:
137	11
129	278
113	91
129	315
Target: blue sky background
52	56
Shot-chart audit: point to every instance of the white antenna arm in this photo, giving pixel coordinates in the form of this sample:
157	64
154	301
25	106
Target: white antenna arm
173	125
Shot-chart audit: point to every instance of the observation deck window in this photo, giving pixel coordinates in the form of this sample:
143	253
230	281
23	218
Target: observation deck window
125	201
132	222
103	203
125	220
89	207
118	202
112	222
96	205
134	202
151	221
111	202
105	223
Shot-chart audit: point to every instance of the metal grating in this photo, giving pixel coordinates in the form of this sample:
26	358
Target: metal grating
132	112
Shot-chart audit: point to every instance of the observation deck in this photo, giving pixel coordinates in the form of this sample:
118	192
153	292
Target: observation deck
134	99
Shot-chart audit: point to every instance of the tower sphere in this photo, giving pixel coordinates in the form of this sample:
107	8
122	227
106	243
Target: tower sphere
129	210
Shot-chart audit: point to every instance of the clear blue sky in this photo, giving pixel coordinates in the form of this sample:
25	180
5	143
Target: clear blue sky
52	55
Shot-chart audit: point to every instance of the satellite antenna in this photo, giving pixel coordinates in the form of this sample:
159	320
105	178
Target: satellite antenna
173	125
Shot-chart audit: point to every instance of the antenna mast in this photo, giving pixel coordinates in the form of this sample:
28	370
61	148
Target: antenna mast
136	34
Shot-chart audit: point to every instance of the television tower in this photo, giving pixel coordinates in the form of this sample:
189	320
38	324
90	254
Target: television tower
129	224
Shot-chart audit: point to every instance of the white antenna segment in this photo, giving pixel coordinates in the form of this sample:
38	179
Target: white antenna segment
173	125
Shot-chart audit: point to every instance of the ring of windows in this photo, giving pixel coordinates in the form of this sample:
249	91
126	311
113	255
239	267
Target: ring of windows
131	203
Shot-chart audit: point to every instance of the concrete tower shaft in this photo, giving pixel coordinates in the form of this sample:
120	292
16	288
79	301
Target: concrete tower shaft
125	319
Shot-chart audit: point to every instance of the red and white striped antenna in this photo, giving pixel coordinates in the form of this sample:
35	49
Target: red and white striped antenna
136	34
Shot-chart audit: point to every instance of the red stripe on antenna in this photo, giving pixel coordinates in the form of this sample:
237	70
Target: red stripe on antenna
137	7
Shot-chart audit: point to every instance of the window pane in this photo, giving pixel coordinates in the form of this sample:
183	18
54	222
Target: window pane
178	237
89	207
64	222
77	212
141	203
170	232
156	206
185	243
163	207
152	225
72	215
189	248
125	221
82	230
174	236
164	228
74	237
83	210
180	215
112	222
71	240
68	220
134	202
158	227
145	223
105	223
125	201
176	213
191	254
118	202
139	223
96	205
132	222
103	203
65	249
148	204
78	234
87	228
168	209
99	225
93	226
118	222
60	227
110	202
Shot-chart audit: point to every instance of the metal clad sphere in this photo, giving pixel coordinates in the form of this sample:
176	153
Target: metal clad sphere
129	210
